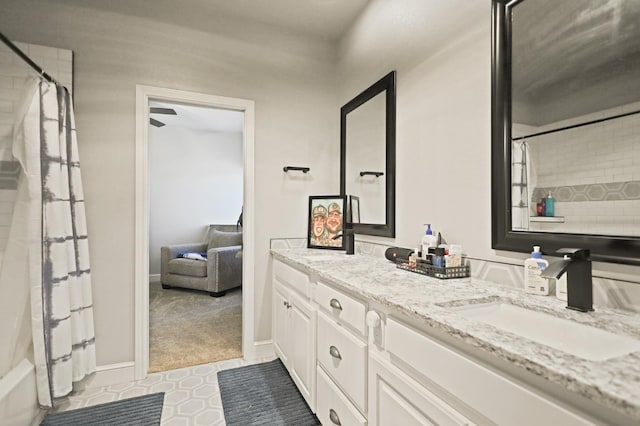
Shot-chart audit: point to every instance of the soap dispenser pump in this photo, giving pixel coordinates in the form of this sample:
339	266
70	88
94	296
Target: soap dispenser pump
428	241
534	282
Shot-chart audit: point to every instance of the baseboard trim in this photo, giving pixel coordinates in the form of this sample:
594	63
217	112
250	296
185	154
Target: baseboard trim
154	278
260	350
110	374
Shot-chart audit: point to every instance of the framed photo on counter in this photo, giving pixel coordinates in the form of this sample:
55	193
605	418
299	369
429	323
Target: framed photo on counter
326	219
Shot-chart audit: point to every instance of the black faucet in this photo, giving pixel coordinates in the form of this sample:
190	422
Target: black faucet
577	265
347	234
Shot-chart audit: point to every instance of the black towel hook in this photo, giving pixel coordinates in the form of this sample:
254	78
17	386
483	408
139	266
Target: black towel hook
301	169
376	174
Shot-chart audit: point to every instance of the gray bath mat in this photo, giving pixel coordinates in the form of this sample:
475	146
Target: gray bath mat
143	410
263	394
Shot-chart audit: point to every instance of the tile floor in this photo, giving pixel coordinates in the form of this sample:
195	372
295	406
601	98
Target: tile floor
192	395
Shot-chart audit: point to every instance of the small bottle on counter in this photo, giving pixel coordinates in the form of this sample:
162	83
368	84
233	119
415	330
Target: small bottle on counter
454	258
534	283
413	259
438	257
428	241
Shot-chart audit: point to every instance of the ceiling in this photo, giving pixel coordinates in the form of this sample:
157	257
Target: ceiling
563	60
326	19
574	60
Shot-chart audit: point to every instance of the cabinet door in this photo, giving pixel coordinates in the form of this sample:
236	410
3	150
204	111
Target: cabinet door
395	398
302	336
281	341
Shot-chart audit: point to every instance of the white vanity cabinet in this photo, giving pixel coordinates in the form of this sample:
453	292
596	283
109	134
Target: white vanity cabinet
360	361
294	327
418	380
342	357
396	398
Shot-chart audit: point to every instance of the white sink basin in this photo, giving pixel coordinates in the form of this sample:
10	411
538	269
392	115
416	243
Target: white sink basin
568	336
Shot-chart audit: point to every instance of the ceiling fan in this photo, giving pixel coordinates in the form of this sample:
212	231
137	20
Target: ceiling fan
159	110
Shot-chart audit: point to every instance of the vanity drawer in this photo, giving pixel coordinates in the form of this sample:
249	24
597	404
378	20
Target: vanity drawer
332	407
342	308
344	358
481	388
293	278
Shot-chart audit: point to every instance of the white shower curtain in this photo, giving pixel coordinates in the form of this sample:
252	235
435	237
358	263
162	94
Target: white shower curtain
58	253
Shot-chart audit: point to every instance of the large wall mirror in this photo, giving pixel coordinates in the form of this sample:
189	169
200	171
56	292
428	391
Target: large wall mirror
566	126
367	156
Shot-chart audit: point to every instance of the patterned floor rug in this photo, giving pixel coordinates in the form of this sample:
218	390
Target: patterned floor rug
263	394
143	410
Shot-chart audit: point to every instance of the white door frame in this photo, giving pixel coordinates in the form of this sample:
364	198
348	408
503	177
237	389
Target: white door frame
141	281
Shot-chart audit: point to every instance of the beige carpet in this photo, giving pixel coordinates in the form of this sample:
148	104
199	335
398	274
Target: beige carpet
189	328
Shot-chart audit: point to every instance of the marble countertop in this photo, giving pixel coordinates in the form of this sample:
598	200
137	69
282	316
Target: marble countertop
614	383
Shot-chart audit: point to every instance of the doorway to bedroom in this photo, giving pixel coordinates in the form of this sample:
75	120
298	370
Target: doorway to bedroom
195	170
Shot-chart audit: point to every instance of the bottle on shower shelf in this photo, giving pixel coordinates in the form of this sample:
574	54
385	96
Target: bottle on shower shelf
549	206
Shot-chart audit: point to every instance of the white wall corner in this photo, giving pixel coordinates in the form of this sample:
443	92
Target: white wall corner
107	375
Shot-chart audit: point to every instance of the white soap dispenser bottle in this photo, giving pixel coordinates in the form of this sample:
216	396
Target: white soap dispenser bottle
534	283
428	240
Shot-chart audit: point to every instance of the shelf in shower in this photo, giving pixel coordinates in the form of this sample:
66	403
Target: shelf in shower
547	219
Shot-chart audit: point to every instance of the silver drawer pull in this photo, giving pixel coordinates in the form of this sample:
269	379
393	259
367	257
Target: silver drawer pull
333	416
334	352
334	303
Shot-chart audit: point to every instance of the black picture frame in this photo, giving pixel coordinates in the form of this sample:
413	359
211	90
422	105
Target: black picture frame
321	233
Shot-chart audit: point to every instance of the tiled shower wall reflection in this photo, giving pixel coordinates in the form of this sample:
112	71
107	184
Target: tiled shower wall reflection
606	292
593	172
14	73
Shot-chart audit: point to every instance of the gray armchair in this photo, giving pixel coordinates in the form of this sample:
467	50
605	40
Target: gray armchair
221	271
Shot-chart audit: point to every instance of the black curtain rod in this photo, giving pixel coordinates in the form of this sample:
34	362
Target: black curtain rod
586	123
27	59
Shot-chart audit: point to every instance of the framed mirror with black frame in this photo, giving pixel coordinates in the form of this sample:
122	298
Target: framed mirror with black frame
368	156
563	92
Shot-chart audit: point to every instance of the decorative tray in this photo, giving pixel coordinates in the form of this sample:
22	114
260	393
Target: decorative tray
435	271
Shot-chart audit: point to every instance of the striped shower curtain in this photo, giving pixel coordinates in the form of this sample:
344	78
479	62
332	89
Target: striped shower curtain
59	273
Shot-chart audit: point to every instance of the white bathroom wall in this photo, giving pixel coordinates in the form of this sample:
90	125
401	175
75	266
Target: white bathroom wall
195	180
443	119
443	165
443	127
290	77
